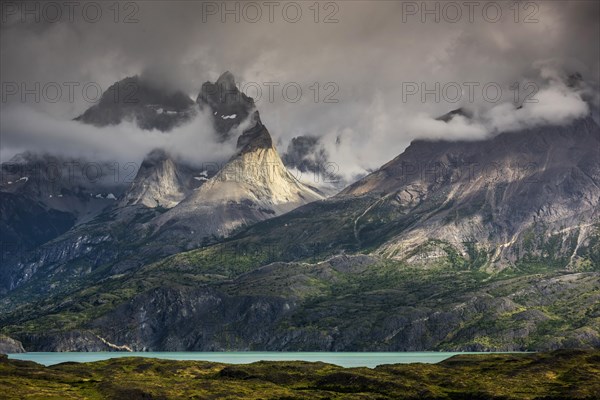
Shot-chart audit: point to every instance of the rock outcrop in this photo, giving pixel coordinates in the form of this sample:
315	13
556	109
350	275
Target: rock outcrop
9	345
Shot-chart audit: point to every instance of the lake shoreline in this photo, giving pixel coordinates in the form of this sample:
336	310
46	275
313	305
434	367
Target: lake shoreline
562	374
342	359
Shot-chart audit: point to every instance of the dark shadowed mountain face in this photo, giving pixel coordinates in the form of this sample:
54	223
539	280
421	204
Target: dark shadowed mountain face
137	100
44	197
228	106
254	138
26	223
71	185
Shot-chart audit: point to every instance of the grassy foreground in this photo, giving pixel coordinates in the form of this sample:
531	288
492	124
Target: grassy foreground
563	374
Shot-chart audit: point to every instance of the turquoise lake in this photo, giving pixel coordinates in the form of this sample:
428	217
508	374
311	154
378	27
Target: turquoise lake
370	360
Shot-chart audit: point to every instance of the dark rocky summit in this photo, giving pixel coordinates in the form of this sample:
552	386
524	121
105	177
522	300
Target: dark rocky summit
139	100
256	137
228	105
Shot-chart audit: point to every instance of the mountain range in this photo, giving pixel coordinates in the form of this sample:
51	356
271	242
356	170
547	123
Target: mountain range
490	244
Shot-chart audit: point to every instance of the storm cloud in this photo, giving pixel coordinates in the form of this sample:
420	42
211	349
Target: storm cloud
372	75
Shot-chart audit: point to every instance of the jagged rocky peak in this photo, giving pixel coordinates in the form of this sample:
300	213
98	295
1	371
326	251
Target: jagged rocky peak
150	105
164	180
224	89
462	112
227	80
154	157
157	183
254	138
253	186
136	90
226	103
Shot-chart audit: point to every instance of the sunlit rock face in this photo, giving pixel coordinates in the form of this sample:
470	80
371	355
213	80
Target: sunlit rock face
253	186
163	181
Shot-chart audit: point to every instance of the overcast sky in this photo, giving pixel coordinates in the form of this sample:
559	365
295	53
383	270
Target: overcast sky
370	61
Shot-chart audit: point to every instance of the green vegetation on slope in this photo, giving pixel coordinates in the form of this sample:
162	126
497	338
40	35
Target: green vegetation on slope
356	303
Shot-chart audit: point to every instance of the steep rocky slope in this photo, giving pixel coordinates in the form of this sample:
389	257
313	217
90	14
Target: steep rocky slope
9	345
26	224
358	303
508	194
163	181
518	199
43	197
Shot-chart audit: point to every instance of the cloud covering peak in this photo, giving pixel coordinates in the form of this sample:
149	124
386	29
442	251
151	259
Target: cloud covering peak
357	76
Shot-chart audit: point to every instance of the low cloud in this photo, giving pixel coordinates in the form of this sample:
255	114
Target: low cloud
24	128
555	106
458	128
387	134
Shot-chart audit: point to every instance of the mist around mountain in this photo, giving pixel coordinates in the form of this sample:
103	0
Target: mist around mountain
488	244
307	156
202	202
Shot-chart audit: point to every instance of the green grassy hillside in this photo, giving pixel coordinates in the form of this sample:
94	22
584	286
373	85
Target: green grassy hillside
558	375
